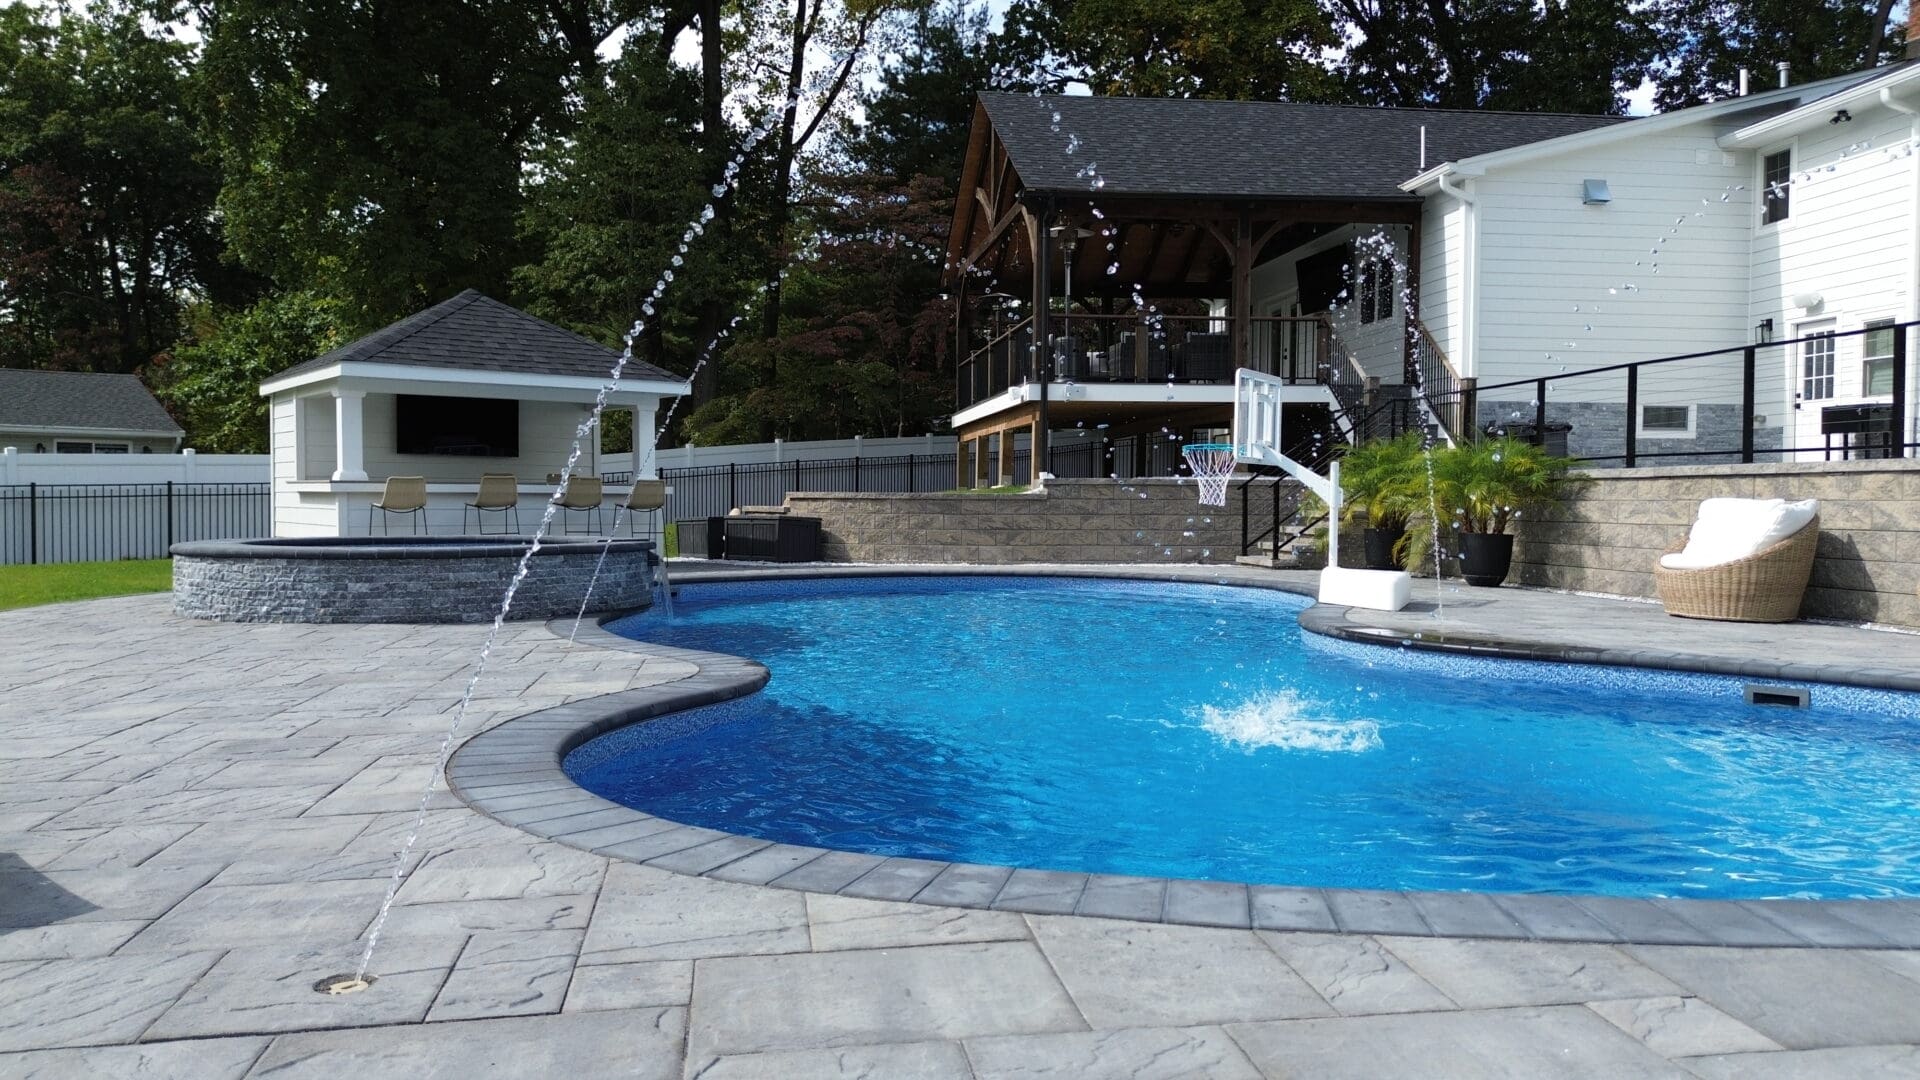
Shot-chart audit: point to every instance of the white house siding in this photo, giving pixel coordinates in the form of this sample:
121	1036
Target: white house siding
1544	253
27	441
1376	346
1847	237
1443	260
293	513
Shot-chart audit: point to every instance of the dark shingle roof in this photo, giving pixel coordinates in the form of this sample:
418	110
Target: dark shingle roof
1249	149
80	400
473	332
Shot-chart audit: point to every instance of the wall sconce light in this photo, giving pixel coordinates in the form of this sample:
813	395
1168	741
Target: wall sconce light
1763	332
1595	193
1807	301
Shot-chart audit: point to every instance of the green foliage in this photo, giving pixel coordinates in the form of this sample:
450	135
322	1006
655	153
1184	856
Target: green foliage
105	204
1206	48
605	210
1562	56
212	385
375	151
1483	487
1384	482
1707	42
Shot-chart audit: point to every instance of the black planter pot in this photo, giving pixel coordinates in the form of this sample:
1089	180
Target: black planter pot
1380	544
1485	559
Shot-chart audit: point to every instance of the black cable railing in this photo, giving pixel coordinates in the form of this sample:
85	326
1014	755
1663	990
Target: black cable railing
1829	395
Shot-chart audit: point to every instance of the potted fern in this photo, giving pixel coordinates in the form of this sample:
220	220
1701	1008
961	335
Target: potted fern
1382	486
1480	489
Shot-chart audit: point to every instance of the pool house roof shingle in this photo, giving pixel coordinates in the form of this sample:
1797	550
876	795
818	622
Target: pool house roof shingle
474	332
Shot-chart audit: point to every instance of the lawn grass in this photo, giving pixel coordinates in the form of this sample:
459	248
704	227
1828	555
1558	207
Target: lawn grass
25	586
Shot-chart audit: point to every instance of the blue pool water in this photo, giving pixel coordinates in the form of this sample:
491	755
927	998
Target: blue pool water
1194	731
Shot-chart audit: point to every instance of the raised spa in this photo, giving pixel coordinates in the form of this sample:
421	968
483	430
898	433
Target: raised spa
1194	731
403	579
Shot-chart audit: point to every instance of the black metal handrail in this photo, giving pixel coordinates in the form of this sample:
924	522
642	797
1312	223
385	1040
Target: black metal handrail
1888	440
1433	377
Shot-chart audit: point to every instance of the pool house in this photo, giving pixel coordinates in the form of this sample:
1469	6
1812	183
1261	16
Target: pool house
466	389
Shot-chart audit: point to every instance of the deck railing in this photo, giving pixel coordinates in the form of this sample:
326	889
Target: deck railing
1825	396
1144	349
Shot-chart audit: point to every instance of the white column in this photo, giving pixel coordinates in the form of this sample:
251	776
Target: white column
188	460
348	435
10	459
645	466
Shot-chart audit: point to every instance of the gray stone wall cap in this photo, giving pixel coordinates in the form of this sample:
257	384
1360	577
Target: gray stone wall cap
396	547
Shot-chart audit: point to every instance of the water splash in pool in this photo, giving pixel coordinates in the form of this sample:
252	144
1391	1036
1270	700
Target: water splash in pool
1286	720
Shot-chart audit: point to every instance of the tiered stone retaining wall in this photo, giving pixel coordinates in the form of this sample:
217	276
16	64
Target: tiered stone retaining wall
1619	521
1076	521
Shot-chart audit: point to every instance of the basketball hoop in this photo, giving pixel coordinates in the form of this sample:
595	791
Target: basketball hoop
1212	464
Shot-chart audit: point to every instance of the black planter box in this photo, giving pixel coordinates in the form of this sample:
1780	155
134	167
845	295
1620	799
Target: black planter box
772	538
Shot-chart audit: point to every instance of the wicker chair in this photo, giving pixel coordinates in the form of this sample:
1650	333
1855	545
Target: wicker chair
1763	587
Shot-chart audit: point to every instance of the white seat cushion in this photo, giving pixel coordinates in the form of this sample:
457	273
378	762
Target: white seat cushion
1727	530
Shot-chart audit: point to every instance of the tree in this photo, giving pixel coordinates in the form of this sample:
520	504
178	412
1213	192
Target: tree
1519	55
212	383
1709	41
841	28
376	150
606	209
916	116
105	205
1251	49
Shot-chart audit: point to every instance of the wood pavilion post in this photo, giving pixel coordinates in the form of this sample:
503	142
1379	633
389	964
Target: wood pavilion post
1242	299
1043	347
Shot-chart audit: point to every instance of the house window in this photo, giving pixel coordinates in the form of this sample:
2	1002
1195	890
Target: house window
1668	420
73	448
1775	171
109	448
1816	363
1877	355
1376	290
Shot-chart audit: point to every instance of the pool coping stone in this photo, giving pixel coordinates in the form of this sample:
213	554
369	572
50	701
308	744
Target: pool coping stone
513	773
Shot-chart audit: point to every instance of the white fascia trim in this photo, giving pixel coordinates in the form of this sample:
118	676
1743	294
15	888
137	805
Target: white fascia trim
1600	136
407	373
1775	128
91	432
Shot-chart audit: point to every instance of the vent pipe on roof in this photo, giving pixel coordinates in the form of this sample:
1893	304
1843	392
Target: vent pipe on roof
1423	148
1743	82
1782	65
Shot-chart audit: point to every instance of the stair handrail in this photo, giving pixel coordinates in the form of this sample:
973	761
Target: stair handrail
1436	382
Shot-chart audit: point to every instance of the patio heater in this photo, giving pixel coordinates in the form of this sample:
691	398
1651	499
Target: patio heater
1072	234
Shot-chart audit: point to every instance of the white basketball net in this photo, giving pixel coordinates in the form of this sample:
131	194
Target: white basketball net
1212	465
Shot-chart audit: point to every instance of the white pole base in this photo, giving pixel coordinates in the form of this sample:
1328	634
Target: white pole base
1377	590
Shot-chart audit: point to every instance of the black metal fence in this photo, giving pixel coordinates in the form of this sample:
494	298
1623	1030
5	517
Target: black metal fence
1823	396
63	523
712	490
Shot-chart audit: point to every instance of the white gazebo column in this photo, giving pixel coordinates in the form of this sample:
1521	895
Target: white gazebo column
348	435
645	467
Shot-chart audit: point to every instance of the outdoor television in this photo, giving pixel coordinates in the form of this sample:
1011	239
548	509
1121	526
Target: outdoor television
465	427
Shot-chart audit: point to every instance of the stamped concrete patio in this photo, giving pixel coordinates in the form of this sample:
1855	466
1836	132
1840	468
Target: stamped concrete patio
197	822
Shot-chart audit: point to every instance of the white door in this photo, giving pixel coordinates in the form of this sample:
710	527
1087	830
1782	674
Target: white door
1814	375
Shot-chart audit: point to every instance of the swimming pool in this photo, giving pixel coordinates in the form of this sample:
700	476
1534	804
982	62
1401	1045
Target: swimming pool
1194	731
